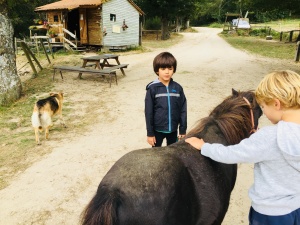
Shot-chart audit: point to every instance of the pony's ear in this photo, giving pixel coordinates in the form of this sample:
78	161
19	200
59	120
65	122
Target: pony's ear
235	93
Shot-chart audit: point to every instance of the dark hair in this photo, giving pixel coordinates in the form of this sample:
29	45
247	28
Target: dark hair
164	60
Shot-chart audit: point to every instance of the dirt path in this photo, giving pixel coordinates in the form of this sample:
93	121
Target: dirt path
55	189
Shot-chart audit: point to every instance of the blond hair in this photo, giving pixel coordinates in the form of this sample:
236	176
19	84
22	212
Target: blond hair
283	85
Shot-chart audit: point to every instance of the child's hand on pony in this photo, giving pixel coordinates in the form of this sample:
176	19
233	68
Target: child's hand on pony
195	142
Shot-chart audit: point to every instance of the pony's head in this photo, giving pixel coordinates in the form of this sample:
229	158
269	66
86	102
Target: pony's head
233	117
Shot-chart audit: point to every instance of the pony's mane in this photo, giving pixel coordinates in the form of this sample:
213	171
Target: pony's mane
232	117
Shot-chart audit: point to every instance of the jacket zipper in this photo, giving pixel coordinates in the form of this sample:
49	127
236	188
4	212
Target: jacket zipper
169	109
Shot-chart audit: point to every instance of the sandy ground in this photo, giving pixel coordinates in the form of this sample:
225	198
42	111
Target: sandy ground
55	189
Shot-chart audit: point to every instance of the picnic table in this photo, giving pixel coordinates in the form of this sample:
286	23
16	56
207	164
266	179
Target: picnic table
96	60
99	62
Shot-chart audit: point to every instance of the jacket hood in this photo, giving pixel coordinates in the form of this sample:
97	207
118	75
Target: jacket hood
157	82
288	139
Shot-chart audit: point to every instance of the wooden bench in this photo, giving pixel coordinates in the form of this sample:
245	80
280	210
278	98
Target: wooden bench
118	47
111	71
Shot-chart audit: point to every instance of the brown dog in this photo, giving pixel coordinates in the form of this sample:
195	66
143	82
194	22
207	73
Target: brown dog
43	112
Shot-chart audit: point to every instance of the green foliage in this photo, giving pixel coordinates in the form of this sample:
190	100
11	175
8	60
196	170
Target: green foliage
215	25
275	14
269	5
153	23
263	32
168	11
32	27
22	14
242	32
53	31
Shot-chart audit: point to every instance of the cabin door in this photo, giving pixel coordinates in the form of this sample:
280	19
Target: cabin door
83	26
73	22
94	19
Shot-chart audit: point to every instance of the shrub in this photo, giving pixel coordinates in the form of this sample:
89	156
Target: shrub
153	24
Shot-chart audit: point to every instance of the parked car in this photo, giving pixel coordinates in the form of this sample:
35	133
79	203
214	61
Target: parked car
241	23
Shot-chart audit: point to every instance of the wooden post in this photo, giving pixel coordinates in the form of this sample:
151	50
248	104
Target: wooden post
50	48
16	46
45	51
291	36
23	45
28	53
298	38
33	56
76	42
297	55
281	33
36	44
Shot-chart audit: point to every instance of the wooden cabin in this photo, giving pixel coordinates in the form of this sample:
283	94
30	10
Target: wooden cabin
109	23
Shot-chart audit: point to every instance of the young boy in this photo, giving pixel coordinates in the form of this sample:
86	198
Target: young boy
274	150
165	103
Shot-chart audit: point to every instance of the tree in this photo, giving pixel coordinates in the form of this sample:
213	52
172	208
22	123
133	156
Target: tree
10	83
168	10
22	13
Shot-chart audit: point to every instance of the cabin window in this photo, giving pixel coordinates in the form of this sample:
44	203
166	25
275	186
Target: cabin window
113	17
55	18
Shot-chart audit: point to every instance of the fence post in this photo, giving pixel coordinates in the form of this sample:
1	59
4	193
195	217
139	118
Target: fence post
281	33
16	45
291	35
43	46
297	55
26	51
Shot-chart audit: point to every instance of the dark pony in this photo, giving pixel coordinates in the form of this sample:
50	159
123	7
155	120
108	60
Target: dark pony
175	185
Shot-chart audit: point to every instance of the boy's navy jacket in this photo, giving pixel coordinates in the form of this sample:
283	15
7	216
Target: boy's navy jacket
165	108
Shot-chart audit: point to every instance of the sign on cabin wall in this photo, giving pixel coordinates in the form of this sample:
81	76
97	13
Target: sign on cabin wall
116	29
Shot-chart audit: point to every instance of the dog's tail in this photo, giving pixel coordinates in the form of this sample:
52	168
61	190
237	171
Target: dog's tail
36	118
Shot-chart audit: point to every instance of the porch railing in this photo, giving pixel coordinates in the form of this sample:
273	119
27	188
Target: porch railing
67	37
67	33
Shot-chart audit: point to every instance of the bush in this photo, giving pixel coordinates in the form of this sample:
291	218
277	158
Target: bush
53	31
216	25
153	24
263	32
242	32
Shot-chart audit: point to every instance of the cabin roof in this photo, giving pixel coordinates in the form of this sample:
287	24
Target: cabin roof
136	7
67	4
74	4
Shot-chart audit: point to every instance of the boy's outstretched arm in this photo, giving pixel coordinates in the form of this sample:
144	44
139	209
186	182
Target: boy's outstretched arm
195	142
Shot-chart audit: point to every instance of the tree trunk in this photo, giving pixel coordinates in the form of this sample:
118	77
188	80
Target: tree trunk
10	83
165	34
187	24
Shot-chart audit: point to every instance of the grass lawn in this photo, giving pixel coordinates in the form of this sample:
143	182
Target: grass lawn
256	42
283	25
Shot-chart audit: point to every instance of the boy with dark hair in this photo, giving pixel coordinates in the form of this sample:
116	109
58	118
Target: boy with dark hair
165	103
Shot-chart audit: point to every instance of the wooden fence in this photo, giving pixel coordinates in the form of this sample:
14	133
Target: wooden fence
155	32
292	35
